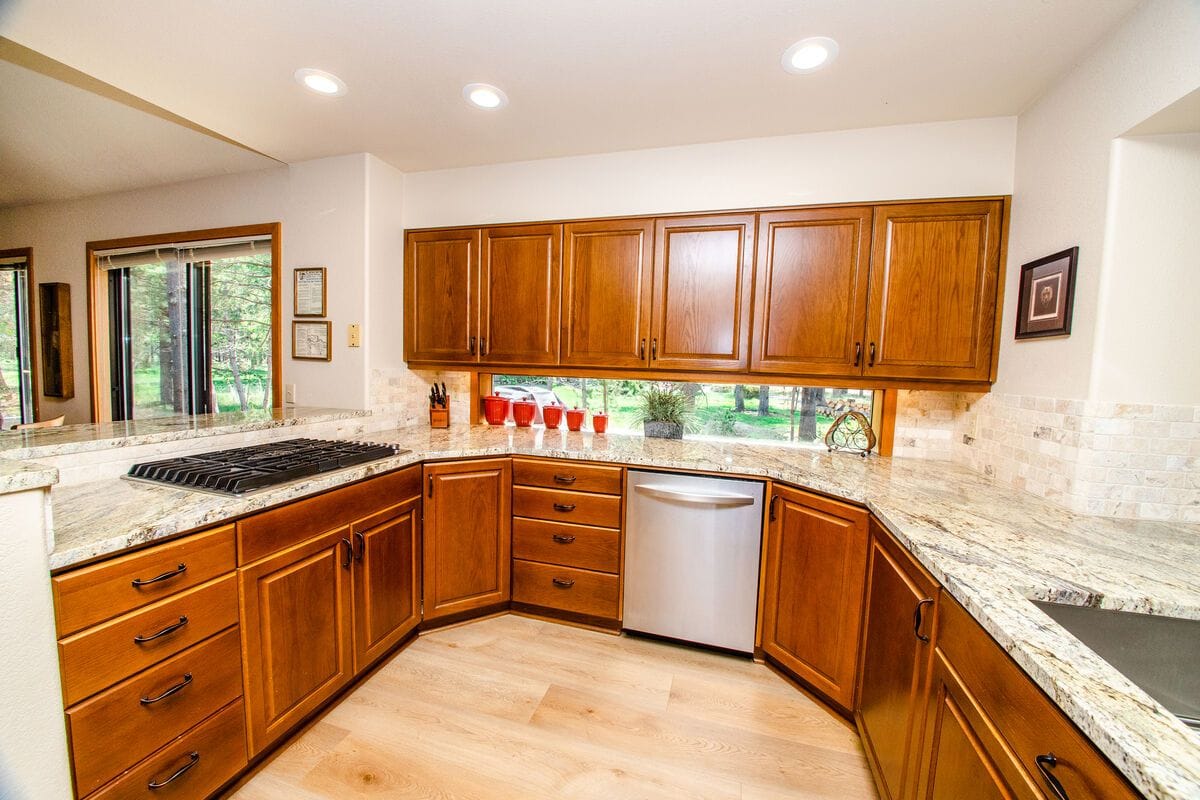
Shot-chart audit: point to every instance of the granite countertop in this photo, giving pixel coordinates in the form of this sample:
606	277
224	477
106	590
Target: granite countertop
20	476
993	549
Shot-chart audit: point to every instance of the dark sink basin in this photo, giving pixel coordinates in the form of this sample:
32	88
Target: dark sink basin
1160	654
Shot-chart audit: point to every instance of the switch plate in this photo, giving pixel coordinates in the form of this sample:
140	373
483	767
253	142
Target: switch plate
355	335
289	393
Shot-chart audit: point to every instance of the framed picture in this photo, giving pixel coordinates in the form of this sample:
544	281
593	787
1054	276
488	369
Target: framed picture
308	296
310	340
1047	295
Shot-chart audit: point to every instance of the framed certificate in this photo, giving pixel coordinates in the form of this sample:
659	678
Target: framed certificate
308	297
310	340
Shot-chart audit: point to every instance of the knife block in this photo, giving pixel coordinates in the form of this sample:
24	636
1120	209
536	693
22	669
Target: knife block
440	417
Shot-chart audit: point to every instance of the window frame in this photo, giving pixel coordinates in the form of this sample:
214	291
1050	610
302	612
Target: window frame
97	298
32	320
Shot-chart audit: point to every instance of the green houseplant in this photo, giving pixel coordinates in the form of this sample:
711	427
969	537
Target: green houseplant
663	411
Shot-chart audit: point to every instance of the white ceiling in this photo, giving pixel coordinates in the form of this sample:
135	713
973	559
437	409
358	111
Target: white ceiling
582	76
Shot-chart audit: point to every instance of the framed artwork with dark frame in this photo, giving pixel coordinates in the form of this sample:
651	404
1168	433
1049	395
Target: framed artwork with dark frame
310	340
308	292
1047	295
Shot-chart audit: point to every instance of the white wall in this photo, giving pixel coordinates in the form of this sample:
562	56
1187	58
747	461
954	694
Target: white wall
1062	179
1148	325
385	281
945	159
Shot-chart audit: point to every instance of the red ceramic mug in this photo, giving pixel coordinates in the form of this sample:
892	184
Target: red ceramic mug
575	418
495	409
523	412
552	415
599	422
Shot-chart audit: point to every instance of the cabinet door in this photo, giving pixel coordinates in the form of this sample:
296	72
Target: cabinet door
812	606
700	318
935	269
387	579
810	297
441	305
296	632
518	316
891	679
606	293
467	536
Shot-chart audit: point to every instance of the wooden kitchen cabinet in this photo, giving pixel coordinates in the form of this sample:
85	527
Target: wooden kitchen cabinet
700	313
441	296
901	607
607	278
520	272
467	536
810	297
387	579
813	590
935	275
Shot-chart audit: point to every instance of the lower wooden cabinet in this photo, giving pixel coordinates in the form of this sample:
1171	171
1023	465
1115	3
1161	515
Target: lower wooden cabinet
467	536
387	579
813	590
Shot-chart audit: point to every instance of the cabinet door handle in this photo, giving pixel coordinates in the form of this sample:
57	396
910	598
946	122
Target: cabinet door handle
164	632
349	556
166	576
871	355
642	350
857	353
361	540
194	759
563	583
1045	763
431	486
564	478
558	537
471	346
483	345
564	507
654	349
771	508
179	687
918	619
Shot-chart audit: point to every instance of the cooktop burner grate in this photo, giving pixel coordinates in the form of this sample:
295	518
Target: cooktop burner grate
246	469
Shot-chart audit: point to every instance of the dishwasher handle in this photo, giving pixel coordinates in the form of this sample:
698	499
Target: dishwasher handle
701	498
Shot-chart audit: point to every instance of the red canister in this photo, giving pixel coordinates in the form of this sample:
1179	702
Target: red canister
599	422
523	412
552	415
495	409
575	418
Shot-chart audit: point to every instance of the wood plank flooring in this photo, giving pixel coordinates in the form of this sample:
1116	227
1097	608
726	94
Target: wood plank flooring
512	707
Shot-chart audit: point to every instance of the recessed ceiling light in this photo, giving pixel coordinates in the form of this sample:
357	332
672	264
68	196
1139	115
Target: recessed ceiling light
809	54
321	82
484	95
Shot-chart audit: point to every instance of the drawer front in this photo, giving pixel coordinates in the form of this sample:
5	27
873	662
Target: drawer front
93	594
216	751
566	589
580	546
574	507
116	729
101	656
564	474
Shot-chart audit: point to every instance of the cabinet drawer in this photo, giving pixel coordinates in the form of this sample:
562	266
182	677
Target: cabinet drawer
559	506
562	474
116	729
566	589
581	546
93	594
216	751
101	656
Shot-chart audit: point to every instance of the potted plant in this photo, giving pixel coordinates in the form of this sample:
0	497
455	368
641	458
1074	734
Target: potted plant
663	411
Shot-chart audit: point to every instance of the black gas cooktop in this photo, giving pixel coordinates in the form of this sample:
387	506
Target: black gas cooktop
246	469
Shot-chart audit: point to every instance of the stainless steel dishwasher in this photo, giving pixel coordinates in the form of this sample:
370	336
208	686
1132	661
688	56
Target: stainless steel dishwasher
691	558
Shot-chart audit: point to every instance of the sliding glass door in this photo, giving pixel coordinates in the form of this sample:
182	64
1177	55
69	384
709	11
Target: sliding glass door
16	356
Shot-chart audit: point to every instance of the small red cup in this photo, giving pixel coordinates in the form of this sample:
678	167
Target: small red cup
495	409
552	416
575	418
523	412
599	422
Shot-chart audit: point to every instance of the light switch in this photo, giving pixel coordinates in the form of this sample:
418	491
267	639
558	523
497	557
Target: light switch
355	335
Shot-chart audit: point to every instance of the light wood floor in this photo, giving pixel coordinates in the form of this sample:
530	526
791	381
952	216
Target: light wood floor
512	707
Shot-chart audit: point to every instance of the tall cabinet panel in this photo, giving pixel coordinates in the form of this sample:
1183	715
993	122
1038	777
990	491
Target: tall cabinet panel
606	293
441	279
700	318
810	298
935	271
520	269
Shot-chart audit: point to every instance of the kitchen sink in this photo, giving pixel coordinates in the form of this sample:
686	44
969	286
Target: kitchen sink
1160	654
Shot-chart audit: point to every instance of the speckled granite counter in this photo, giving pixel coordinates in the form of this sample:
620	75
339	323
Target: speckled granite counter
993	549
20	476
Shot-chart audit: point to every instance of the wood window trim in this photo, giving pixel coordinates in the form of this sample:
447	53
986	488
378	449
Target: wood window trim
31	313
95	303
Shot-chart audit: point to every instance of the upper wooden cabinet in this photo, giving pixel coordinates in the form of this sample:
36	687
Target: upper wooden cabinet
607	276
520	267
810	296
700	318
441	296
935	272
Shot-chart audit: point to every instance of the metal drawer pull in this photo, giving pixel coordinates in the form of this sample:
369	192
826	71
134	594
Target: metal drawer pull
564	478
564	506
558	537
1046	763
361	539
195	759
563	583
187	679
917	619
182	568
695	498
169	629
